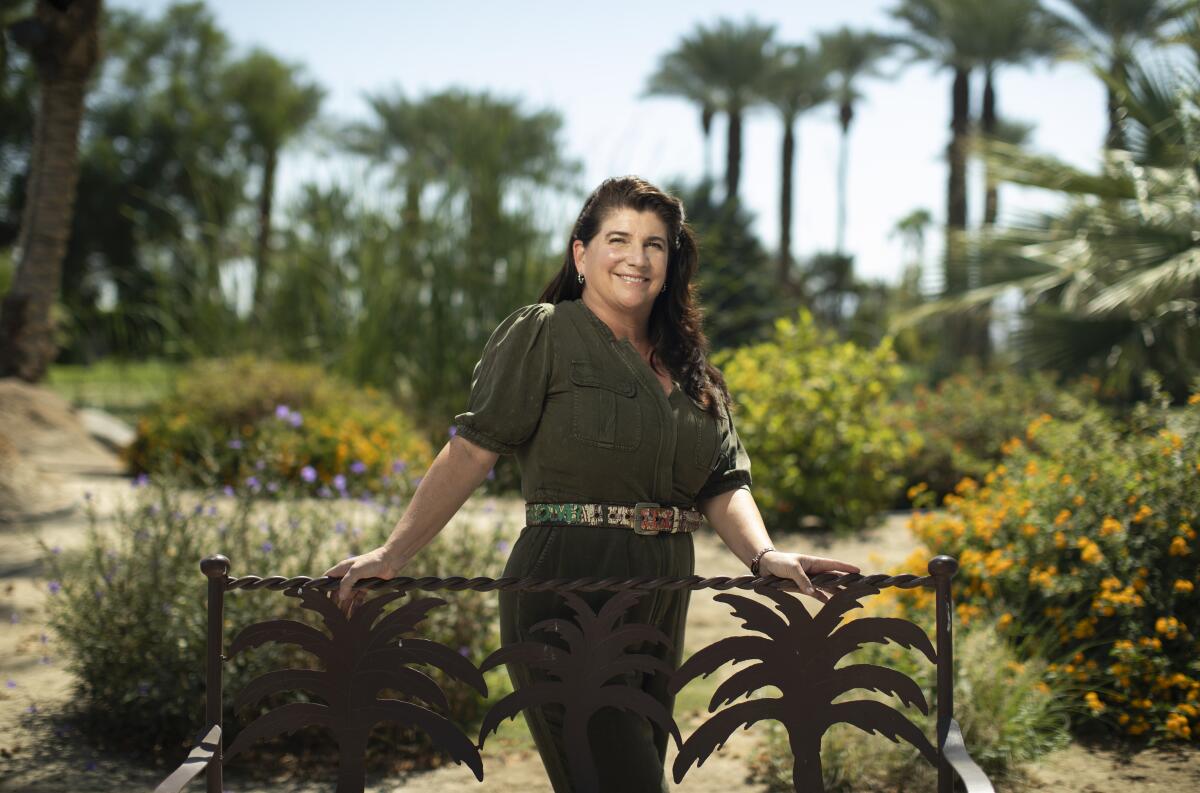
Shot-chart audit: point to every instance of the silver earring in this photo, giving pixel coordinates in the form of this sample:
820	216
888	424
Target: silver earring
664	287
579	277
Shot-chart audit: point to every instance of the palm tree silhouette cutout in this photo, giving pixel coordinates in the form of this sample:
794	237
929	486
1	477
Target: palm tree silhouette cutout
361	657
581	677
799	656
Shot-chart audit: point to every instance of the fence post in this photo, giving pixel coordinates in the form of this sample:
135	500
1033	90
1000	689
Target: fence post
217	569
943	568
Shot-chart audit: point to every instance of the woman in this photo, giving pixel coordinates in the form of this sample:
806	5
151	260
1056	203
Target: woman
604	394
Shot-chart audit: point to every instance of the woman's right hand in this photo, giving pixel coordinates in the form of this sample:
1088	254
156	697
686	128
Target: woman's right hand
379	563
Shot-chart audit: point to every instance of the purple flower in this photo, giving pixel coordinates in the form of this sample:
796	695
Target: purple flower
453	431
199	509
212	512
308	473
141	480
31	709
46	660
339	527
358	467
152	510
15	618
55	587
295	419
502	546
253	483
398	466
272	487
324	492
267	547
491	474
464	651
282	411
234	444
228	490
56	550
339	482
90	766
260	465
43	638
11	683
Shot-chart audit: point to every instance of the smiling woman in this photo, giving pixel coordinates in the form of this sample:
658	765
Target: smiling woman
624	435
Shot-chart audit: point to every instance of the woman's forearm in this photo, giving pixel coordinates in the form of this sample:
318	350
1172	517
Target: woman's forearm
458	469
737	521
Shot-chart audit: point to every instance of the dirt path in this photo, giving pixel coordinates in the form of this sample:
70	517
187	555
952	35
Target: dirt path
38	756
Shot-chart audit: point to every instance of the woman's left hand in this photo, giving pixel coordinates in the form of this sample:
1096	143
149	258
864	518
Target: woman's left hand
799	567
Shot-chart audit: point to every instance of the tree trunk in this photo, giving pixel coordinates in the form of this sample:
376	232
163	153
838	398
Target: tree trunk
806	759
788	158
581	763
988	125
846	115
1116	131
733	155
352	750
265	199
64	60
957	326
706	119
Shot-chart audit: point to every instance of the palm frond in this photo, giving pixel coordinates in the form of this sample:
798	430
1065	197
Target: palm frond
312	680
734	649
877	678
880	630
873	717
282	720
712	734
445	734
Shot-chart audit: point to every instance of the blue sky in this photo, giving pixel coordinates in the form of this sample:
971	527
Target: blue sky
590	62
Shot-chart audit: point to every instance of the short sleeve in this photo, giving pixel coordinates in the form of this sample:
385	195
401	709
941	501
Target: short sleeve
510	381
733	464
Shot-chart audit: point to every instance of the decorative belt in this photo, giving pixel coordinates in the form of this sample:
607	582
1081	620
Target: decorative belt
643	517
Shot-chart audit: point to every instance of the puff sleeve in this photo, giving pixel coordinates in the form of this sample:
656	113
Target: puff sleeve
508	387
733	464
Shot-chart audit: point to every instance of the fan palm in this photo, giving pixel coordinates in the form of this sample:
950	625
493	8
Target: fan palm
1107	31
1112	282
797	83
681	73
849	56
584	676
798	653
361	657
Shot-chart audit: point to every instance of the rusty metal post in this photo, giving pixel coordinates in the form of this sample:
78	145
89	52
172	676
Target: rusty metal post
217	569
943	568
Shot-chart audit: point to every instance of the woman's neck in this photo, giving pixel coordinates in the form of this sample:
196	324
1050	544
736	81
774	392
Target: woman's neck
623	325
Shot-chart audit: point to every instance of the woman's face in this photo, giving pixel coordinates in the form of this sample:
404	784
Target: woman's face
625	265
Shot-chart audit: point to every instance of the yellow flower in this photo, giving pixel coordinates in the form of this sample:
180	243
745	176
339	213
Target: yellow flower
1109	526
1093	702
1005	620
1062	517
1079	500
1194	399
1142	513
1187	531
1060	540
1167	626
1091	551
1179	547
1183	585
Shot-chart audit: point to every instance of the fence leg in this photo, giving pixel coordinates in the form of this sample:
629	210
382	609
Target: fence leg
217	569
943	568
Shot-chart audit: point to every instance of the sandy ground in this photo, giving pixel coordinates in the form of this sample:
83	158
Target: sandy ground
38	756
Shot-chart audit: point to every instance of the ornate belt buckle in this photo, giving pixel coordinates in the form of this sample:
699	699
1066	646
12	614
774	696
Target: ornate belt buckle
651	518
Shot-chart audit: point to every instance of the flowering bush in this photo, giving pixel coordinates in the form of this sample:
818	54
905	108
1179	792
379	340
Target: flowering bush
1082	542
811	414
261	423
965	420
130	609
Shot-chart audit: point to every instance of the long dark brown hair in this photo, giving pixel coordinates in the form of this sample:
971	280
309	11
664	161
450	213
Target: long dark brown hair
676	319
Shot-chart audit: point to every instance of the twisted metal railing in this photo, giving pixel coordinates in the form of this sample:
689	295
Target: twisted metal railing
583	665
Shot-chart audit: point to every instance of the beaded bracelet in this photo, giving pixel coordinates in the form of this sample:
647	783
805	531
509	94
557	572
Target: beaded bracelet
758	558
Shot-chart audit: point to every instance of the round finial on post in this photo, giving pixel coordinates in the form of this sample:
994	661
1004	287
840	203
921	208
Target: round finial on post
943	566
216	566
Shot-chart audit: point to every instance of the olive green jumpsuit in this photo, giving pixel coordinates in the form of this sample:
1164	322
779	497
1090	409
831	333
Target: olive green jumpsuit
588	422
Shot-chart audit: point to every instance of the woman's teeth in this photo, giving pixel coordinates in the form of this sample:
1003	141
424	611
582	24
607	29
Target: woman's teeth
632	280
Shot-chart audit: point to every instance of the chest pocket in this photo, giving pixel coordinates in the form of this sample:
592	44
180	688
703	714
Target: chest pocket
605	410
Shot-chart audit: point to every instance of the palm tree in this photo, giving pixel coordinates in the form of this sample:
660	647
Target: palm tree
799	656
1020	32
273	105
911	230
797	83
360	657
729	62
583	676
949	33
64	44
849	56
1107	31
1111	281
681	73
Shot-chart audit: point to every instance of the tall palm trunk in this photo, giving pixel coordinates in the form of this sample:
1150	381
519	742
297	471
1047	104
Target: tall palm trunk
959	339
707	112
64	58
788	158
991	206
263	254
733	154
845	115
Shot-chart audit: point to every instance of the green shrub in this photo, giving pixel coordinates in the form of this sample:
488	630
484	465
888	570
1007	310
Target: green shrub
263	423
1007	714
811	414
1083	538
129	608
964	421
